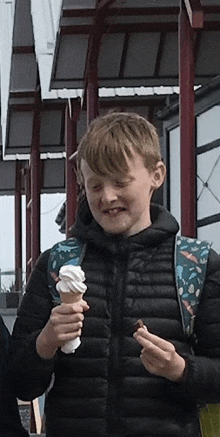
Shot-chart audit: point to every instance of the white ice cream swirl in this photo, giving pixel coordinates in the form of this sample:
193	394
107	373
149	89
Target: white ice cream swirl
71	279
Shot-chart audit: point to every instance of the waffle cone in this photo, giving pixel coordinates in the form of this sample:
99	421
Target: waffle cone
70	297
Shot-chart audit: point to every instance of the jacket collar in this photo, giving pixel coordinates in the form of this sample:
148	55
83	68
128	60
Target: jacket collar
163	226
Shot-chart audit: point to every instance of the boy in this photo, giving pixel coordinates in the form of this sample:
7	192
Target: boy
120	383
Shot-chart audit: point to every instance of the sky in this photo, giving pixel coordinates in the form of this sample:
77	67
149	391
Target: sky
50	206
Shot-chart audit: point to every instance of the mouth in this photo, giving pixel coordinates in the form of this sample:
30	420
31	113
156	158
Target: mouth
113	211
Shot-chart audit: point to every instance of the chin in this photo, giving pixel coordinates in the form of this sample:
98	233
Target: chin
114	231
114	228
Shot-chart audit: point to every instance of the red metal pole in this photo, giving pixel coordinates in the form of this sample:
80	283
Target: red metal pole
28	221
35	206
187	125
71	116
35	184
195	13
92	97
18	228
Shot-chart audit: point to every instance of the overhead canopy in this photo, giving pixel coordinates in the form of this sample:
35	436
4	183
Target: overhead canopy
135	42
21	112
52	177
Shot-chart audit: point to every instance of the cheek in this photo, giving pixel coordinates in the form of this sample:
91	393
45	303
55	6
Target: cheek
92	201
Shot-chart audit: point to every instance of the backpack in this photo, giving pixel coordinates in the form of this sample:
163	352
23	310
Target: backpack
190	264
191	257
70	251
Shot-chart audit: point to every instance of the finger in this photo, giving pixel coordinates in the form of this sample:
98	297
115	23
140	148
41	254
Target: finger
58	319
154	353
148	364
64	337
143	333
171	366
152	368
70	308
70	328
84	305
64	319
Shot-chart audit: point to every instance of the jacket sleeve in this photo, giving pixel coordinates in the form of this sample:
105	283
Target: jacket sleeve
202	379
30	373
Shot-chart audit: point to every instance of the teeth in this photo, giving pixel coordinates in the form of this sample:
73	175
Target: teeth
113	210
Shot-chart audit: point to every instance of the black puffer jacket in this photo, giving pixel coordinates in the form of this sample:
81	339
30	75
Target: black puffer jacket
103	390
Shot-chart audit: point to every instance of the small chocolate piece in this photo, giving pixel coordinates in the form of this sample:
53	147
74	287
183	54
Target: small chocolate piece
138	324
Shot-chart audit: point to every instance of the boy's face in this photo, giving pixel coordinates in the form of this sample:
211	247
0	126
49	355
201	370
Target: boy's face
120	202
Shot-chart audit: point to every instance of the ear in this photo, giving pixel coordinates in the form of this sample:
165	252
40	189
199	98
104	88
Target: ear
158	175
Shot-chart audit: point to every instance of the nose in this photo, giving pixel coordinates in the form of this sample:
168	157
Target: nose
109	194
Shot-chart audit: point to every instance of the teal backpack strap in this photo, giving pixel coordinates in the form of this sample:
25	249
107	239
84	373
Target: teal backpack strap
70	251
191	256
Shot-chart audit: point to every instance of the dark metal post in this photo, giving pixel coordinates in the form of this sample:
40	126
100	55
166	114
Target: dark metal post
187	124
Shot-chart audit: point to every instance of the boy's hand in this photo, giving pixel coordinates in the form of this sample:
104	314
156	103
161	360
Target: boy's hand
65	323
159	356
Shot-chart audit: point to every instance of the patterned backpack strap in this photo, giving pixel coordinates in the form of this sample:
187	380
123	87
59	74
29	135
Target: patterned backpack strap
191	256
70	251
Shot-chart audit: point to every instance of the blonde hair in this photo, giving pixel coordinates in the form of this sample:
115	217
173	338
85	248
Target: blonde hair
113	138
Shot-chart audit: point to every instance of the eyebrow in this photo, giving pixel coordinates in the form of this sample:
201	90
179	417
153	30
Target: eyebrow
126	176
92	179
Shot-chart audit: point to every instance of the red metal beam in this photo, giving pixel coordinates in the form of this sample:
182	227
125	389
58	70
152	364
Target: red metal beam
154	10
172	10
187	125
145	11
18	227
125	102
71	116
171	26
23	49
72	12
195	13
103	4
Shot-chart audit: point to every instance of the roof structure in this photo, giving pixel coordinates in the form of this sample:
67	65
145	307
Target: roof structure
135	43
52	176
57	44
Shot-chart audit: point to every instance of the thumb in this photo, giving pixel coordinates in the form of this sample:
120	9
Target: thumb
84	305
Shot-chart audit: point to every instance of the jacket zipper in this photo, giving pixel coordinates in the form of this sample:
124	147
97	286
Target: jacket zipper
117	306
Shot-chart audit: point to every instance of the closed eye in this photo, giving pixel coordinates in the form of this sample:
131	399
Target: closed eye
96	187
122	183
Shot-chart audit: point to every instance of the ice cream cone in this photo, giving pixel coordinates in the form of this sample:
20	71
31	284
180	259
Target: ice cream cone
71	288
70	297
